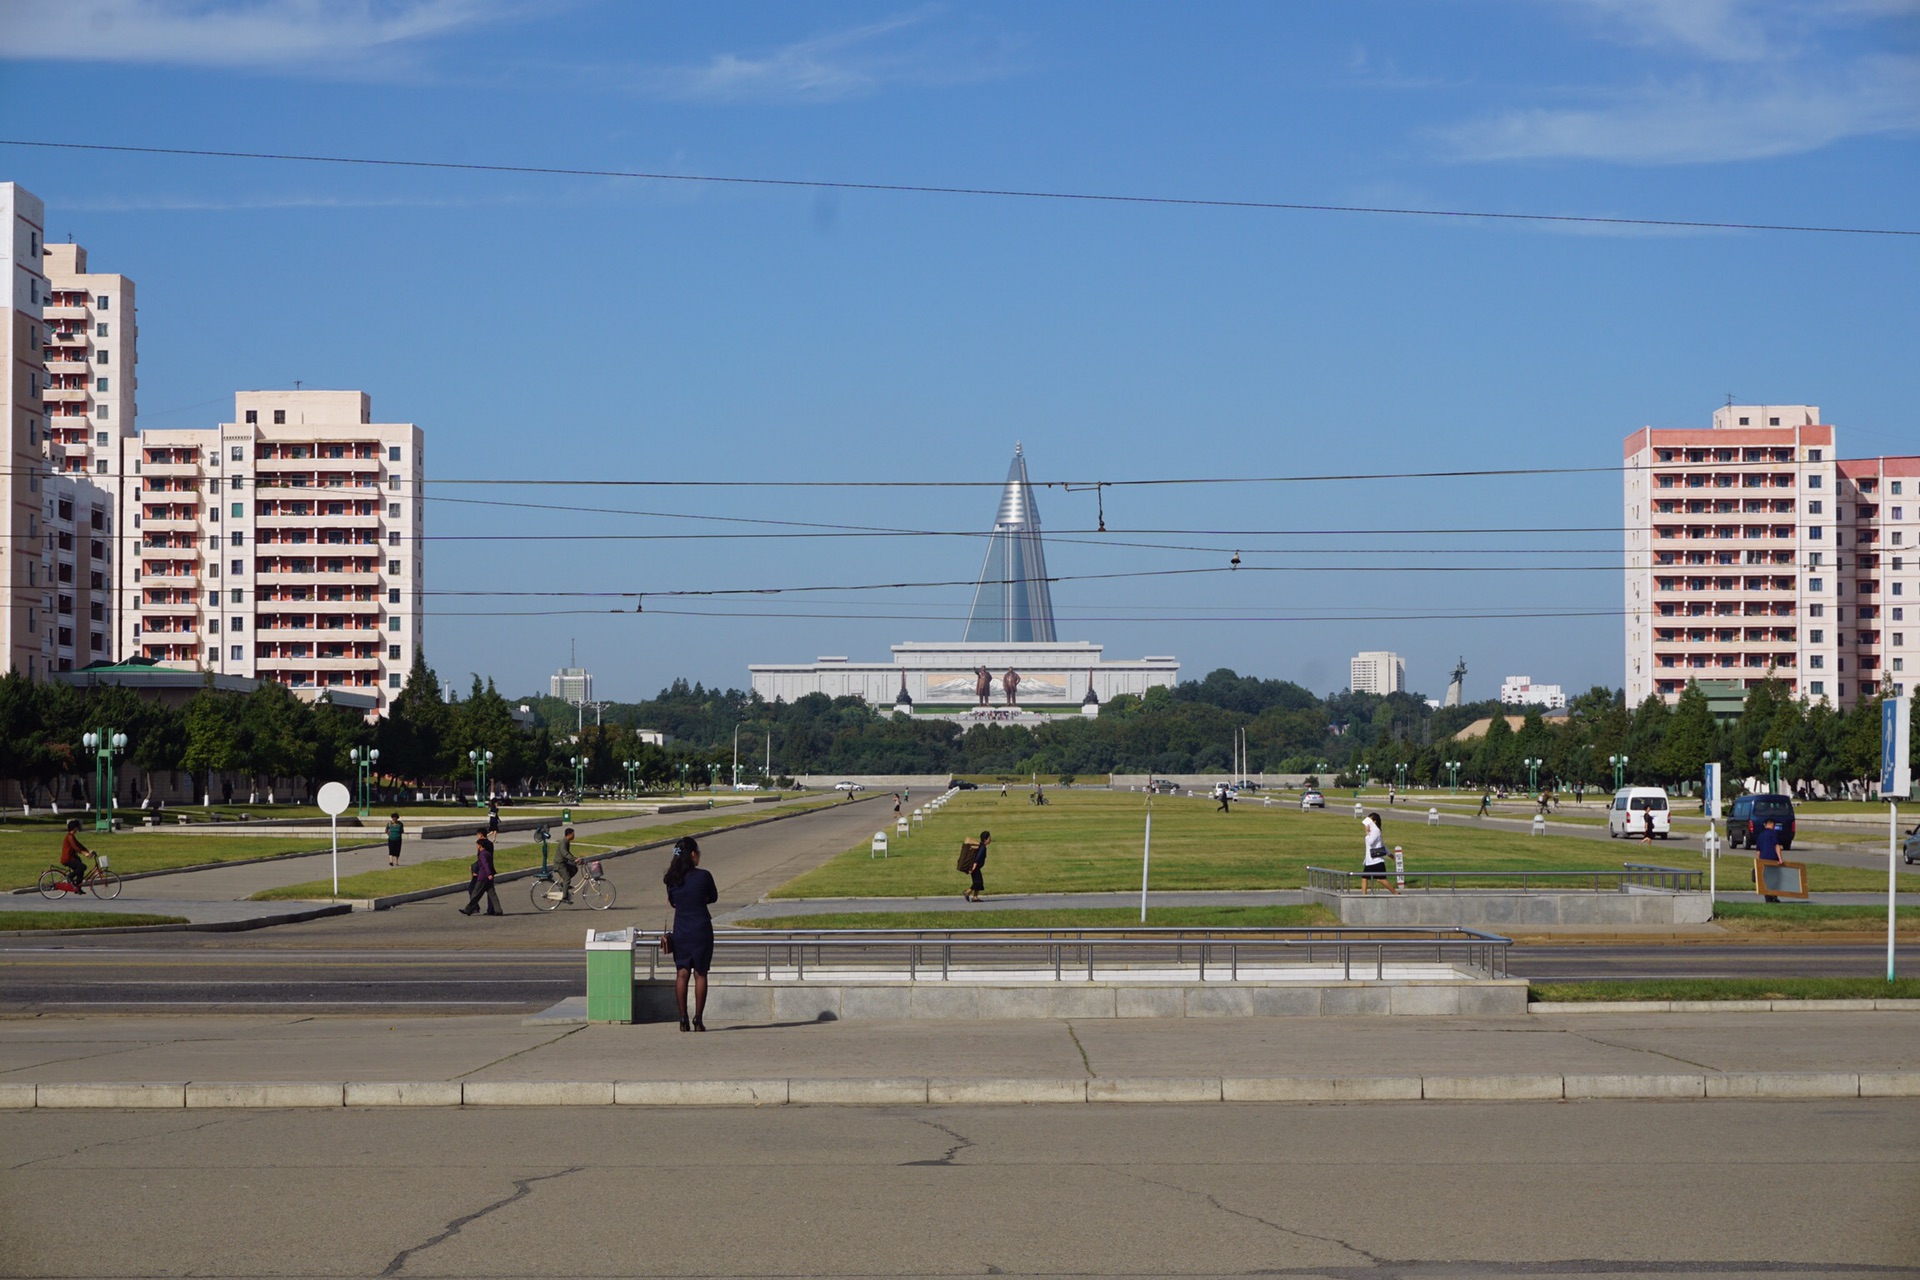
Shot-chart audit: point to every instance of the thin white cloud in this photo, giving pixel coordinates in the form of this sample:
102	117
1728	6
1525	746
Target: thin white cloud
1724	30
1706	121
248	33
852	63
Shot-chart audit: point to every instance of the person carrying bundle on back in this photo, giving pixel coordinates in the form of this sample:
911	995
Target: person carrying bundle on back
973	856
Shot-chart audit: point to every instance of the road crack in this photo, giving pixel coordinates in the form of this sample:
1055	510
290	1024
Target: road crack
1635	1048
130	1138
509	1057
961	1143
1214	1202
522	1188
1085	1061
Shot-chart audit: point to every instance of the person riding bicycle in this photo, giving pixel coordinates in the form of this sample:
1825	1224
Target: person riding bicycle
74	855
568	865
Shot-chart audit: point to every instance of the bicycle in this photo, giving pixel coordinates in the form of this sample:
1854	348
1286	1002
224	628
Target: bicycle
55	881
548	891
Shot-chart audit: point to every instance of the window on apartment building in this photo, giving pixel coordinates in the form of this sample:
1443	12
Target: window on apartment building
1813	508
393	595
393	453
100	411
1817	661
1816	584
236	595
100	330
1813	482
236	483
1817	687
100	356
238	653
100	437
1899	664
213	627
1814	532
238	453
213	599
102	385
393	653
236	624
239	566
100	468
253	417
1899	614
393	567
239	510
1817	637
1896	589
393	510
393	679
279	417
103	303
1773	422
1746	422
393	624
393	539
238	539
1896	486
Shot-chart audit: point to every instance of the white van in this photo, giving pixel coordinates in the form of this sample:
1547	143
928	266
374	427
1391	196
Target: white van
1631	805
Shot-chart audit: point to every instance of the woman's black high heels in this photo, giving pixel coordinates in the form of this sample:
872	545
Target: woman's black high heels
698	1025
683	1023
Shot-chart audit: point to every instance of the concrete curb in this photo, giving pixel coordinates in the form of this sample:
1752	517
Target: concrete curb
306	912
985	1091
1725	1006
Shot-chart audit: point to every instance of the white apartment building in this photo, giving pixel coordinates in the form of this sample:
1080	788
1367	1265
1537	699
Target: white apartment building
1377	672
571	684
284	545
1752	550
1521	691
25	567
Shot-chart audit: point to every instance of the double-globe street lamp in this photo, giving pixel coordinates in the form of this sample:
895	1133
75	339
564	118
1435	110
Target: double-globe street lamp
580	777
363	761
1775	757
105	745
1533	764
1619	764
481	761
1453	774
632	768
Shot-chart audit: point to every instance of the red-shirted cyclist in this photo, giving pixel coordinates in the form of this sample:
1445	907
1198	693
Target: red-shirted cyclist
74	855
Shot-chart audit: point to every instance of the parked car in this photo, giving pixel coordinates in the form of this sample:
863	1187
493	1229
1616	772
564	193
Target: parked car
1628	815
1750	811
961	784
1244	785
1161	786
1312	800
848	786
1911	850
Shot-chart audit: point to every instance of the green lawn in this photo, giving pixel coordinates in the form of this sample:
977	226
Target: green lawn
1089	841
25	853
1730	989
80	919
1812	917
1101	917
413	876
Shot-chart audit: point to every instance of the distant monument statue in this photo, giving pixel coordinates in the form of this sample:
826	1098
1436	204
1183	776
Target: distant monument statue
982	686
1011	683
1453	689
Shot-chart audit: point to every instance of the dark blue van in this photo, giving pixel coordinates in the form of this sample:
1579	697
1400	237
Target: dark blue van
1743	823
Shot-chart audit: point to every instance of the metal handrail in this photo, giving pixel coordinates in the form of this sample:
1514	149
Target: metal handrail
1214	954
1637	874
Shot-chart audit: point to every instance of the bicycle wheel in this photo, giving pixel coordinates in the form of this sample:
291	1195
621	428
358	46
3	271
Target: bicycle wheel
104	884
545	895
52	883
597	894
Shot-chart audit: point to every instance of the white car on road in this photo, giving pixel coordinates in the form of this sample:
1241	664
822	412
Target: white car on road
1632	806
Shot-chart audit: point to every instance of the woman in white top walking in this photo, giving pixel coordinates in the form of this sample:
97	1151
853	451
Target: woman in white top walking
1373	863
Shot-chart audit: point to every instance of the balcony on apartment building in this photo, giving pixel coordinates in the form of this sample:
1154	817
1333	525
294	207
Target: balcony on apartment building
76	365
172	466
63	311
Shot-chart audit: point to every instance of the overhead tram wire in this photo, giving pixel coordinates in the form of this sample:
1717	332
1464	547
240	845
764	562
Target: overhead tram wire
906	188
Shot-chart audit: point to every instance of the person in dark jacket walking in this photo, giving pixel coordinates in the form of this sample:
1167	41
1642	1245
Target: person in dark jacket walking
689	892
396	832
979	860
482	877
1766	848
493	817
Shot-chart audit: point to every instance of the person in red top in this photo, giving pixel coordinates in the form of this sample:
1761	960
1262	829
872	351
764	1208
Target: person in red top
71	854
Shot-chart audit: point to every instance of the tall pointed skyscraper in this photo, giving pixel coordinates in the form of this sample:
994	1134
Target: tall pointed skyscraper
1013	601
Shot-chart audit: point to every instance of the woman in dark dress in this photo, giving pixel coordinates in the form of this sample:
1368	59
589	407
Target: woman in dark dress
689	890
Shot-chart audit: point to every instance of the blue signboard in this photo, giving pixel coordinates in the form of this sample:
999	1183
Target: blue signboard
1896	778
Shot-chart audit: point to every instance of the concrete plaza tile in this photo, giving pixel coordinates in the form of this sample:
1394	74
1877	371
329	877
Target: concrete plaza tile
1680	1085
537	1093
1783	1084
901	1091
1155	1089
1356	1000
1890	1084
806	1003
290	1094
942	1001
402	1093
988	1091
868	1001
1430	999
1285	1001
699	1093
1517	1086
125	1094
1149	1002
1222	1001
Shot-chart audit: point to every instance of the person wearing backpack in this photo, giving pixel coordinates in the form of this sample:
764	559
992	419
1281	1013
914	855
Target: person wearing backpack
975	856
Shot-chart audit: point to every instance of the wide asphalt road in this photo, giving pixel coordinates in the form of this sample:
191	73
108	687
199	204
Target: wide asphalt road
1710	1190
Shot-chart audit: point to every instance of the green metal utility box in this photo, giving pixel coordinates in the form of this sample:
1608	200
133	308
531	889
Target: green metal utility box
610	975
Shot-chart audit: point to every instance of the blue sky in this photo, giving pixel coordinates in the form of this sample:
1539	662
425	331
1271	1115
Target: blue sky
565	328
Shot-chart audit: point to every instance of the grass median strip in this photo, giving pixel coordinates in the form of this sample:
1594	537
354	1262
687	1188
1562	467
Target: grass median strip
25	853
1088	841
415	876
1089	917
81	919
1727	989
1812	917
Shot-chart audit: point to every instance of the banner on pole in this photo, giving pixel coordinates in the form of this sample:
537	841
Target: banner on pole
1896	775
1713	791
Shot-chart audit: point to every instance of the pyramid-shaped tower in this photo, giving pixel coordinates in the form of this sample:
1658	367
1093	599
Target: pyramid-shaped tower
1013	601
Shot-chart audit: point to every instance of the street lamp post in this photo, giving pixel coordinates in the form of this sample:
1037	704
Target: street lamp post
633	769
105	745
1533	764
1453	775
1365	771
1400	776
1619	764
1775	757
481	760
363	761
580	776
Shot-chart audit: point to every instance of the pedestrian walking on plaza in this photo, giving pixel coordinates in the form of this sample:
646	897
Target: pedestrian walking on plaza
1766	848
896	804
1003	791
689	891
1389	795
1223	793
1486	803
979	885
482	877
1646	826
396	831
1373	861
493	816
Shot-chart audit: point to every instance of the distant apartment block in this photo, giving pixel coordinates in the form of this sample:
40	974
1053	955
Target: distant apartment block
571	684
284	545
1521	691
1752	550
27	601
1377	672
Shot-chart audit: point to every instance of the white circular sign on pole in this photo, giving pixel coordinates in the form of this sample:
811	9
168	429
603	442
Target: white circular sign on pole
334	799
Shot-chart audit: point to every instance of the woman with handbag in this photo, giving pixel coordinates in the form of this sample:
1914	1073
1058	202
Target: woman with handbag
689	935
